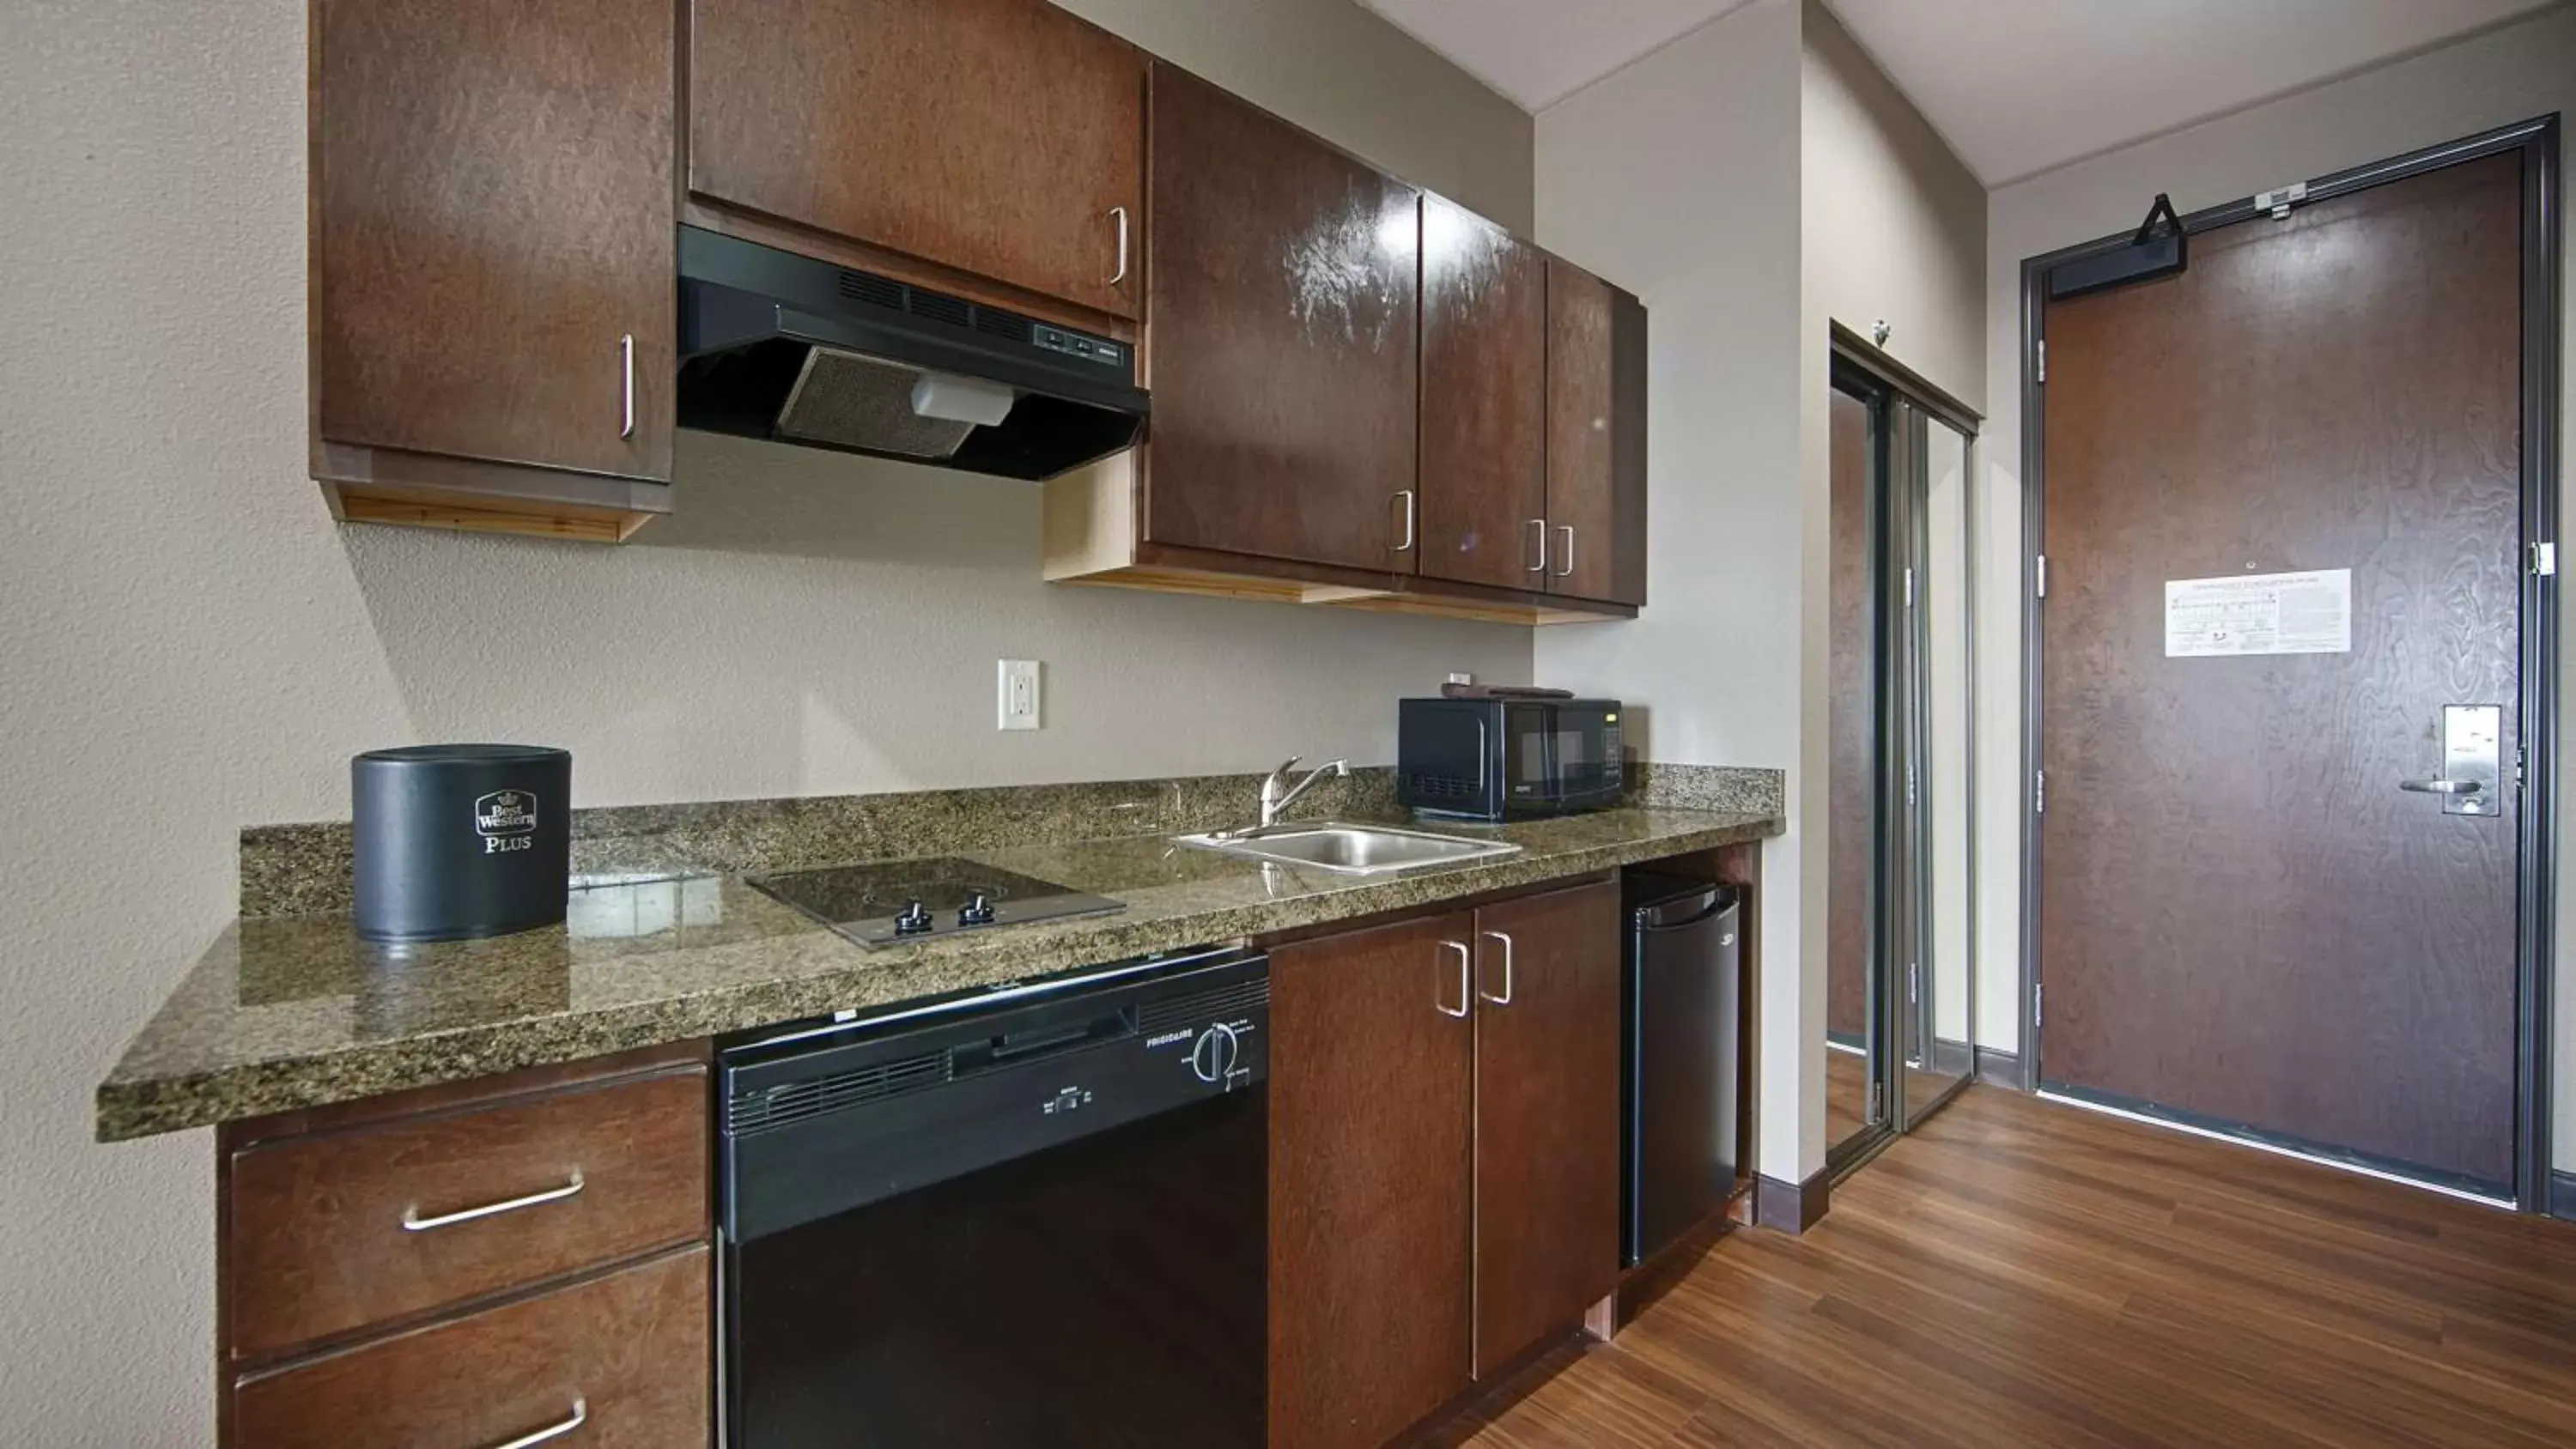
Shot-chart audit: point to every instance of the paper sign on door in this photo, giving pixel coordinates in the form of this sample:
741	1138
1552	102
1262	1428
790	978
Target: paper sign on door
2303	613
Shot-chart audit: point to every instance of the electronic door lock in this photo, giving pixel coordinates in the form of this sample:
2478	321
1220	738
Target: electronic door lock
2472	761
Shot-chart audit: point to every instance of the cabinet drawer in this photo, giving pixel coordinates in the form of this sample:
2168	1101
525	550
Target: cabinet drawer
337	1231
626	1355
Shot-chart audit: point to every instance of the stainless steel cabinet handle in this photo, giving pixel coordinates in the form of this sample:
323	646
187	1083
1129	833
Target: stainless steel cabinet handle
1568	530
1506	998
1539	527
1118	214
1406	498
556	1430
2441	787
626	351
413	1222
1466	969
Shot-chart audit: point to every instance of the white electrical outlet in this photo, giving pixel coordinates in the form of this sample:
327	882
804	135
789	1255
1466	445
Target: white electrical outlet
1020	694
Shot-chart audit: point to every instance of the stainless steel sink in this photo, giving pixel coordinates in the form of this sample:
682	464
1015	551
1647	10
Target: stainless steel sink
1350	849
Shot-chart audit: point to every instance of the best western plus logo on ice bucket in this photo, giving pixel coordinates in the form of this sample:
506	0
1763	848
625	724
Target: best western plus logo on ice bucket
506	819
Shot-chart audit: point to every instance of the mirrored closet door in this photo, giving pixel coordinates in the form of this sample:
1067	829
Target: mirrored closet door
1898	1022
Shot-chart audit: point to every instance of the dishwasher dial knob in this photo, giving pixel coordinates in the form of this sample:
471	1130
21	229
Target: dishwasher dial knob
912	920
1213	1055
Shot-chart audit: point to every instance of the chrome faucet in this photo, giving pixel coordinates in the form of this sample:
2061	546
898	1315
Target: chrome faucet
1277	794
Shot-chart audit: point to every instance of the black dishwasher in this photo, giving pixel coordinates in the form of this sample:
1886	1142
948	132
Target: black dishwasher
1033	1217
1683	1060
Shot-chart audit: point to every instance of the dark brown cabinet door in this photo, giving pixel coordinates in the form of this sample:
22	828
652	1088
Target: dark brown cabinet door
493	230
1282	341
1547	1115
1000	137
1484	402
1371	1096
1596	438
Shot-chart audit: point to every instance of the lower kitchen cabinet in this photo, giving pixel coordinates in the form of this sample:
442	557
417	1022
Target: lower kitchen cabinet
1444	1104
1372	1096
474	1264
1547	1115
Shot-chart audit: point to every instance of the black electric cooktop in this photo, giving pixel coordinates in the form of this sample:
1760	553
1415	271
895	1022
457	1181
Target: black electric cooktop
901	900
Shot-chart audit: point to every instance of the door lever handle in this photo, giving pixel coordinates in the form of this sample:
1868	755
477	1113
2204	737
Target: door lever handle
2441	787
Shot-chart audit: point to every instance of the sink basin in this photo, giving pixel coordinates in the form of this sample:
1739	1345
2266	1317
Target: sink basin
1350	849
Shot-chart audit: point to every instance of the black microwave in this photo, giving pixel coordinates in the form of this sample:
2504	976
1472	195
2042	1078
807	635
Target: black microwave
1502	759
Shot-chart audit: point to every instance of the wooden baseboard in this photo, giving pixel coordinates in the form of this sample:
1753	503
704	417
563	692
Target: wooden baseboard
1792	1207
1999	1068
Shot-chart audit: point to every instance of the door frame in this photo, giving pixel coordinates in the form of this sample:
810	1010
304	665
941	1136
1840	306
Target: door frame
2535	870
1893	632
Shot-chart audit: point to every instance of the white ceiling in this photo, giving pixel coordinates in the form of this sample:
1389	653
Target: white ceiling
2015	86
1539	51
2020	86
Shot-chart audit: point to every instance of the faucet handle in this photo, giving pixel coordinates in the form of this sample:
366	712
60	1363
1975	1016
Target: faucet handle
1286	765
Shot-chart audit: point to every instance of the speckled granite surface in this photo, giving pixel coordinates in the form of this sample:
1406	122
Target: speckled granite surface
295	1011
1708	787
289	870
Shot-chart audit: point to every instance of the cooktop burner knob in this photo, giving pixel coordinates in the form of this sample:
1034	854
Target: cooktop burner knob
978	910
912	920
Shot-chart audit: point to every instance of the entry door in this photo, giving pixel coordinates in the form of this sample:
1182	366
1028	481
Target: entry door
2248	918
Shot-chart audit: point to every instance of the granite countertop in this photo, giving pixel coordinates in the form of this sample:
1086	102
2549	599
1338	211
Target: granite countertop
285	1012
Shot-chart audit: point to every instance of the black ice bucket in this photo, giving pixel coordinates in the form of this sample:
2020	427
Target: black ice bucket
459	841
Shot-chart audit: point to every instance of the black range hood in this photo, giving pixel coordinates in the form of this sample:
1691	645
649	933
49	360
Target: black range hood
785	347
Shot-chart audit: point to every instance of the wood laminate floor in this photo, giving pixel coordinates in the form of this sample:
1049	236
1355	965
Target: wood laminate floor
2023	1273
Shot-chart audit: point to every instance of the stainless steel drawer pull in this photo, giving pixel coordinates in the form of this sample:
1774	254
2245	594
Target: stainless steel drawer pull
1119	215
1568	561
1539	527
1466	972
1405	497
580	1416
626	351
1506	998
413	1222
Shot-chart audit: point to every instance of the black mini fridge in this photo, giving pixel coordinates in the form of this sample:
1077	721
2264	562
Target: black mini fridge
1682	1062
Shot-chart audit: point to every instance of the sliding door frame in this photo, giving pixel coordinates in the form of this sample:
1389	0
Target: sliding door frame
2536	868
1901	907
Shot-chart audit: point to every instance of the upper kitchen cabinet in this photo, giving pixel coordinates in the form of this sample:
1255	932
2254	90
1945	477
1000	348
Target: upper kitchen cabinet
1282	350
1596	438
491	305
1483	482
999	139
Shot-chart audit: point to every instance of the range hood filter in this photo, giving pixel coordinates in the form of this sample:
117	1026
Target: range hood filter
842	395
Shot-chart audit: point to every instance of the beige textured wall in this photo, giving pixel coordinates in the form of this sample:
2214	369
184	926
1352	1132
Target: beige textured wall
188	644
1895	226
2491	80
1677	177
